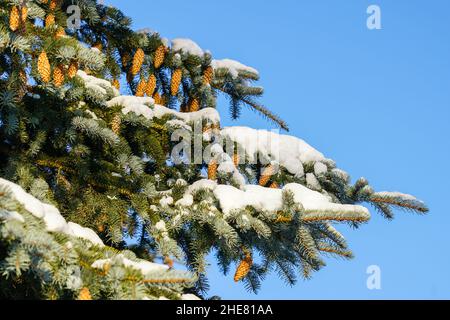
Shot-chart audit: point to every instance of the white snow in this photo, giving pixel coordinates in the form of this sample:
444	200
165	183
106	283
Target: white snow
320	168
98	85
312	182
186	201
92	114
9	216
145	106
313	201
200	185
260	198
161	226
210	114
145	267
233	67
226	167
85	233
341	173
396	195
178	124
187	46
190	296
290	152
271	200
53	219
139	105
166	202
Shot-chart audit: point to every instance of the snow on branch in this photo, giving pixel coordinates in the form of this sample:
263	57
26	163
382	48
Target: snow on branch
187	46
313	205
53	219
146	107
235	68
290	152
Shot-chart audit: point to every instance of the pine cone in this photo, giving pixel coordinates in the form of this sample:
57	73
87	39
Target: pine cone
14	19
58	76
130	77
138	60
207	129
49	20
53	4
73	69
176	81
98	46
274	185
125	59
266	175
24	14
23	77
244	268
116	84
184	108
282	219
60	33
157	98
216	128
236	159
116	123
169	262
140	90
194	105
159	56
212	170
151	85
208	75
85	294
44	67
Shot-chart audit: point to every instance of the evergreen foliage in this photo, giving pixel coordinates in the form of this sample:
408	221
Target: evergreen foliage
70	139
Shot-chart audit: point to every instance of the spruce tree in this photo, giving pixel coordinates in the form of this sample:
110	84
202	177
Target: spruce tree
117	131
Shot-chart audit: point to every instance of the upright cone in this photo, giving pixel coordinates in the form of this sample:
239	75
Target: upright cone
116	84
14	19
208	75
159	56
157	98
140	90
194	105
151	85
84	295
98	46
212	170
138	60
58	76
23	77
44	67
274	185
266	175
53	4
125	59
73	69
23	14
49	20
60	33
176	81
116	123
244	268
236	159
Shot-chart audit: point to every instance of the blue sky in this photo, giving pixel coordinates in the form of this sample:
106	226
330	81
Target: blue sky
376	101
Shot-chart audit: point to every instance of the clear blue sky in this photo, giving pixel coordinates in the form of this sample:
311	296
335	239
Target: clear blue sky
377	102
